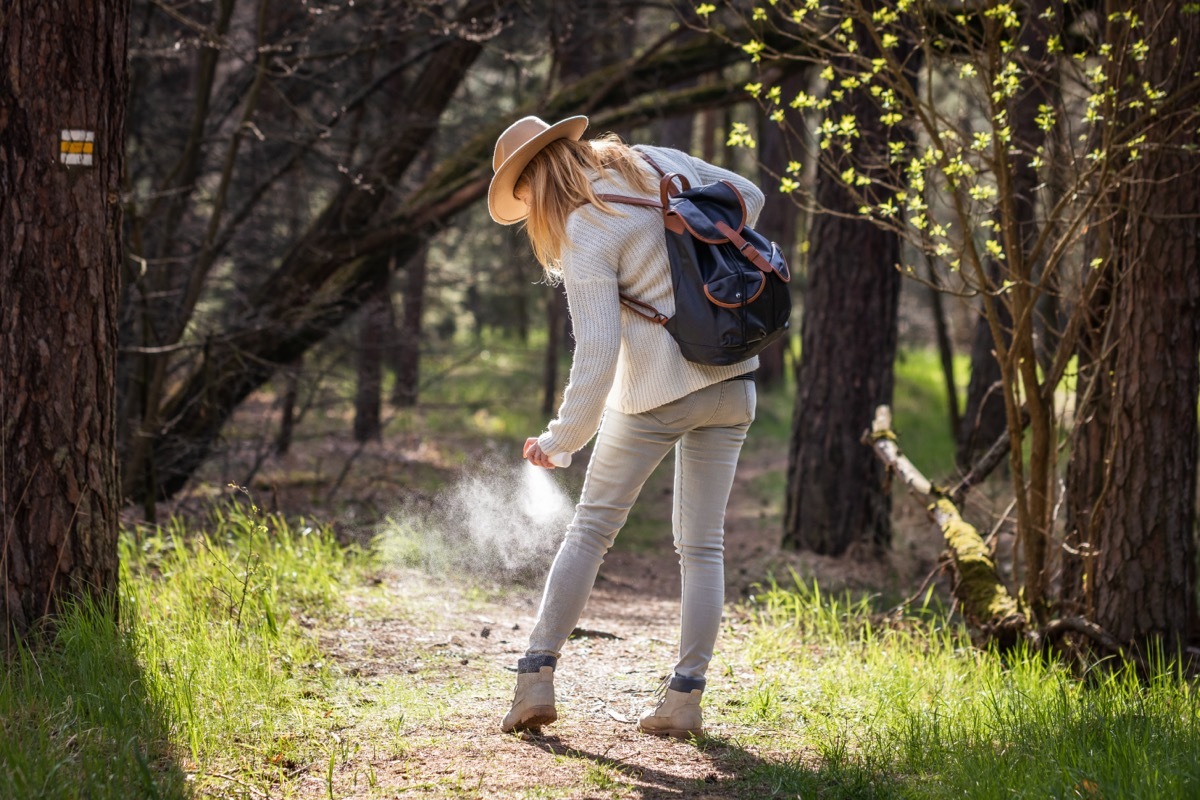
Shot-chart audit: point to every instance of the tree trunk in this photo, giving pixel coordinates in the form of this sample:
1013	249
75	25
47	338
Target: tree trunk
835	487
1134	475
944	347
372	343
1086	470
709	131
287	408
1018	227
678	131
586	37
835	495
986	416
515	253
60	260
986	601
407	360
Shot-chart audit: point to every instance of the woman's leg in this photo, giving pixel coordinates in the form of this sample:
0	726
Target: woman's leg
704	470
628	448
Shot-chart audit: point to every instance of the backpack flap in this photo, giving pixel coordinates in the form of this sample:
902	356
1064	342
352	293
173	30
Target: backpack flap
715	214
703	210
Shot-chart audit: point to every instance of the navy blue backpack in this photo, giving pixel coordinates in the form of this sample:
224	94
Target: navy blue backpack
730	282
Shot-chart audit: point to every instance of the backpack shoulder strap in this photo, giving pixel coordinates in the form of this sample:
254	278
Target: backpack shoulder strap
652	163
644	310
630	201
643	201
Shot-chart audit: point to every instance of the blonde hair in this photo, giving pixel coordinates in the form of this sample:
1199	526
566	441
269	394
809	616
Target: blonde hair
557	182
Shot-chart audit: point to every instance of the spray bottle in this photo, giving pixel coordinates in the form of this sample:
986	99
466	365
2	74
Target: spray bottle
561	459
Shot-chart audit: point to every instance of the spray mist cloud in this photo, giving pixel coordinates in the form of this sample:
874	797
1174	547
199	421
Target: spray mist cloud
499	517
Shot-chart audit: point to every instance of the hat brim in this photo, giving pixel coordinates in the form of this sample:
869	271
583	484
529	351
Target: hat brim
503	205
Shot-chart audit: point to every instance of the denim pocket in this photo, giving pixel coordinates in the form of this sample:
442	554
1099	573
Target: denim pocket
674	412
737	405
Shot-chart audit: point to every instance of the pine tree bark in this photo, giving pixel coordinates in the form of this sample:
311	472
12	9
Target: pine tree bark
836	496
835	485
287	408
60	257
1132	477
984	418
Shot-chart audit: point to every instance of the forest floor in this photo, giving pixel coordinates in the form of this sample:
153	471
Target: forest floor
454	640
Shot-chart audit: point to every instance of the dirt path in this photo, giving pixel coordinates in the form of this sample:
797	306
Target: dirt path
463	644
603	681
606	677
429	664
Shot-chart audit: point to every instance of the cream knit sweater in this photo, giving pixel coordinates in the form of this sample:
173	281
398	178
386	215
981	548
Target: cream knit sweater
624	361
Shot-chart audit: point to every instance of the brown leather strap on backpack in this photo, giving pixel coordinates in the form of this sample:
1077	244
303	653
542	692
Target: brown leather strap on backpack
631	201
748	250
652	163
651	313
646	310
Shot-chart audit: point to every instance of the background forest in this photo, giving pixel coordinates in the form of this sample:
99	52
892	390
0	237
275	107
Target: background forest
266	365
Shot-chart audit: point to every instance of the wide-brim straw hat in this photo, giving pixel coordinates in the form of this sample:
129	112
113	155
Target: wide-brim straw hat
515	148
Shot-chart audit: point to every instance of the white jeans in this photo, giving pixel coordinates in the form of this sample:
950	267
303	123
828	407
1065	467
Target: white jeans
707	429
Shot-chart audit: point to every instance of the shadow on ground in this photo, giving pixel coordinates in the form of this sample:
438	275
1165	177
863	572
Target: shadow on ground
734	772
78	718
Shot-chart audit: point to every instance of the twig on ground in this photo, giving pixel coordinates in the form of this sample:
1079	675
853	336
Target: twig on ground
250	787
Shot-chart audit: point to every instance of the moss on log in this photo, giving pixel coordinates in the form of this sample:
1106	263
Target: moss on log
986	601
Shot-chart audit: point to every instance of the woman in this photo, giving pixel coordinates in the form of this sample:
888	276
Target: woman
628	380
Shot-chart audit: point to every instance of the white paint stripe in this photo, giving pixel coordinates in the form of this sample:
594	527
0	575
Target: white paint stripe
78	136
77	159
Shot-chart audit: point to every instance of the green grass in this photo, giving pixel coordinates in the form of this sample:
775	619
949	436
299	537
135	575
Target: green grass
79	713
210	677
214	683
231	661
913	710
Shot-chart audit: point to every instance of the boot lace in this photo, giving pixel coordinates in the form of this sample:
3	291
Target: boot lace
660	693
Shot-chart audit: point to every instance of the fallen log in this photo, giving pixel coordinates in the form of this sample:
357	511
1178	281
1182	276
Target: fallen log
1000	618
985	600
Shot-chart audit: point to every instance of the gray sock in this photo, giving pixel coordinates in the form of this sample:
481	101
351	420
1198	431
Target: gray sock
682	683
535	663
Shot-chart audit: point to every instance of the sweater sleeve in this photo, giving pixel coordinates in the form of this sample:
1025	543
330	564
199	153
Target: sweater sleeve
590	274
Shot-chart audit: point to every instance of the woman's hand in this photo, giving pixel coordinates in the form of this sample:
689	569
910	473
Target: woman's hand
533	452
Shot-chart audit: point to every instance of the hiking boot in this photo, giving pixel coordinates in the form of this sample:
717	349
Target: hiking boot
678	712
533	703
